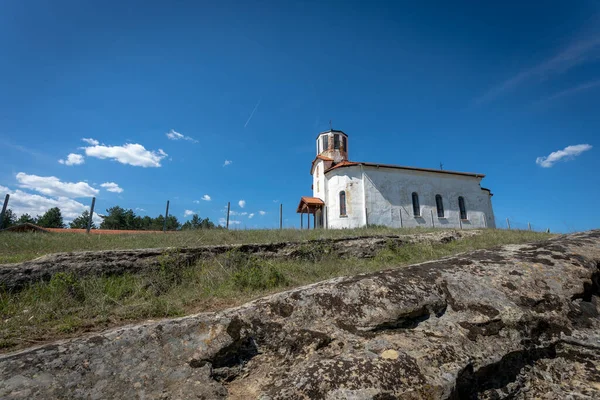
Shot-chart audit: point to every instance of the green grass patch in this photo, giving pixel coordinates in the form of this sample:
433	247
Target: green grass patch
67	305
16	247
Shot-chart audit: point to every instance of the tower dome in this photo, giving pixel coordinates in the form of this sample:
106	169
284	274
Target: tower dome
333	144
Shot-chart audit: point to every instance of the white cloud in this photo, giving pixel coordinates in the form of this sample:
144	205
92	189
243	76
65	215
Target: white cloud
112	187
251	215
206	198
130	153
188	213
72	159
52	186
244	213
223	222
173	135
227	162
196	201
568	153
275	201
139	209
262	212
33	204
91	141
242	203
580	51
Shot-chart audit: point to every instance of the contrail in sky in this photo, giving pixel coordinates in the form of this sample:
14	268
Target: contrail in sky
253	111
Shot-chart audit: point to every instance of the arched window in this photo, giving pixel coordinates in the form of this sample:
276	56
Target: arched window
344	148
325	143
416	207
440	206
462	208
336	142
342	203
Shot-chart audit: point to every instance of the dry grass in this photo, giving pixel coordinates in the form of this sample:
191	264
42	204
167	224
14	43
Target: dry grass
67	306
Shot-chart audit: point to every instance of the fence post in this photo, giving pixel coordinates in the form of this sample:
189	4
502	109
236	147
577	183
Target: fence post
280	216
228	208
89	224
326	217
166	216
508	223
367	217
432	222
4	209
529	225
301	220
459	220
400	217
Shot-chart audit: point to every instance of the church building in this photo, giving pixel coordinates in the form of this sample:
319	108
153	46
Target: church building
351	194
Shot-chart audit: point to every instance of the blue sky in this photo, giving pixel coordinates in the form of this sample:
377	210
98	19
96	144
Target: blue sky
479	87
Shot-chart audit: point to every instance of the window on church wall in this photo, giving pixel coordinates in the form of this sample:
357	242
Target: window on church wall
336	142
342	203
325	143
440	205
344	143
415	204
462	208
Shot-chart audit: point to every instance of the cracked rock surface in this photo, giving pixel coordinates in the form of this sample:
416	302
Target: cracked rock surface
515	322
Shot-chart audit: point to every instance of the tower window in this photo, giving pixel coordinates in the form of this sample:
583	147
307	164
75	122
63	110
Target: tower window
336	142
342	203
344	148
416	207
325	143
440	206
462	208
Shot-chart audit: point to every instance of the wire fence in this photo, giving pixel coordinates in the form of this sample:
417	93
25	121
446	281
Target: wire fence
508	223
174	215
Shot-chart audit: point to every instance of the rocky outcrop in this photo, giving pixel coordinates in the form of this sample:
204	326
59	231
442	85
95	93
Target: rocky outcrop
518	322
114	262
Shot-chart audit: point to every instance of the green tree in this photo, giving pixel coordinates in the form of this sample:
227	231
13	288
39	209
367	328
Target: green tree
114	218
9	219
26	219
198	223
51	219
81	222
172	223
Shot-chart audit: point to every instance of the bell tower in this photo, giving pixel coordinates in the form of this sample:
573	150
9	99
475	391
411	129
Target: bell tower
333	144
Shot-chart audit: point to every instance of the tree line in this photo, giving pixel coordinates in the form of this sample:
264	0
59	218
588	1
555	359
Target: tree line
116	218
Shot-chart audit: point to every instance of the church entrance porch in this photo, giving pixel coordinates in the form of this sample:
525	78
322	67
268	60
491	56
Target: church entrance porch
314	206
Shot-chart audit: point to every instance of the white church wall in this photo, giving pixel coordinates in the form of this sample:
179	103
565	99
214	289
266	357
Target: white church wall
348	180
319	187
389	199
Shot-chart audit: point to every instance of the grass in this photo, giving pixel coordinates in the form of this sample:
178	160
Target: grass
16	247
67	306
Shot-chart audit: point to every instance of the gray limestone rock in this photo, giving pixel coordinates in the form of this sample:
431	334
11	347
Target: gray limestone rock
515	322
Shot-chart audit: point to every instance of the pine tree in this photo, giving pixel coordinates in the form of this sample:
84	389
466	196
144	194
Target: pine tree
26	219
52	219
81	222
9	219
